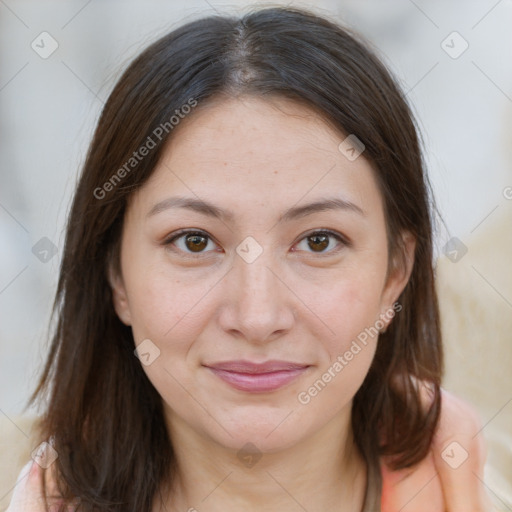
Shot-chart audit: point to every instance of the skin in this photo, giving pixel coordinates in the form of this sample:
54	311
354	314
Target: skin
291	303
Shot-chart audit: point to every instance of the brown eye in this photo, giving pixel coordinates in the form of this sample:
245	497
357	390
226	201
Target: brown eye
190	243
196	243
318	242
323	242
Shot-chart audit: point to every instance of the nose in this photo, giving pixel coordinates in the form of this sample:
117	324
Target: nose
259	305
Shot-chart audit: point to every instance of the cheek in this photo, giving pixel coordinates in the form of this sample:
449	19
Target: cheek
172	311
350	309
336	382
168	311
165	306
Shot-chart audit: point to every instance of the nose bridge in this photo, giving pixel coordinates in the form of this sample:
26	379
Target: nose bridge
257	288
256	277
258	299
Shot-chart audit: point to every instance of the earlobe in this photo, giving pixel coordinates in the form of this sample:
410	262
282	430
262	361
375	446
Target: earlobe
119	296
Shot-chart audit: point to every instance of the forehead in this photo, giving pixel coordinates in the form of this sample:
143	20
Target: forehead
246	126
259	151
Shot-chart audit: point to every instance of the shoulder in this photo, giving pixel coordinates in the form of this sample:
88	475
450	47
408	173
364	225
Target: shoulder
458	419
415	489
36	490
458	441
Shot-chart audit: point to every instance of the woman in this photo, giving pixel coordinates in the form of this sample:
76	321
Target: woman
246	305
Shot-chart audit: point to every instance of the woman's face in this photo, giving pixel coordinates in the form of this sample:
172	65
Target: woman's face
259	279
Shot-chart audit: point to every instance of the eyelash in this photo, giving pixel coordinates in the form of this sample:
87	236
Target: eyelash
181	234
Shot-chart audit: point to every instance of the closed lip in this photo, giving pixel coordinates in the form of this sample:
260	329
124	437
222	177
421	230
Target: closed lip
243	366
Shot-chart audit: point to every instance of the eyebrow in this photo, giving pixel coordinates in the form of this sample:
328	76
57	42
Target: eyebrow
295	212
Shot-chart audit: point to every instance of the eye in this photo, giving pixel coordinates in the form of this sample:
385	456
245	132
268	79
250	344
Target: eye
191	242
194	243
321	240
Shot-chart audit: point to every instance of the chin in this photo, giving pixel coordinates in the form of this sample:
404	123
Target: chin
269	434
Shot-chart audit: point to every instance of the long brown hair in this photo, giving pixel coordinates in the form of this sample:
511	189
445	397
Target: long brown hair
105	417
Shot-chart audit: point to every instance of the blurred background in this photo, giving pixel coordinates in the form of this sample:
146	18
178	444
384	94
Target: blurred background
59	61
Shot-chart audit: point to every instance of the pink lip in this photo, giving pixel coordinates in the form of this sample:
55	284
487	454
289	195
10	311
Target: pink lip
257	377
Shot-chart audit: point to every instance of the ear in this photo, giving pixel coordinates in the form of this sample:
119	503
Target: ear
119	296
399	272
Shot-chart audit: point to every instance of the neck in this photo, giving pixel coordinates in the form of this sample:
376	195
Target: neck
321	473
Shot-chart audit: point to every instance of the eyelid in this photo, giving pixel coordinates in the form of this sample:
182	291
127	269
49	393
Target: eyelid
190	231
328	231
335	234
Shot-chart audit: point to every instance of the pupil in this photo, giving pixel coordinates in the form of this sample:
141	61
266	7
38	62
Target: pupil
321	241
198	242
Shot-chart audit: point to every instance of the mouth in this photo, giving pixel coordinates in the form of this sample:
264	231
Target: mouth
257	377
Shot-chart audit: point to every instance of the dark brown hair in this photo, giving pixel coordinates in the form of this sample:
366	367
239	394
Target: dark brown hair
104	415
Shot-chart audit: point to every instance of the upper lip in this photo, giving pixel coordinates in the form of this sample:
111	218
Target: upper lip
242	366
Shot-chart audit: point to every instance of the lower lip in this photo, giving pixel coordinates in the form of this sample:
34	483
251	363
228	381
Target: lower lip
259	382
